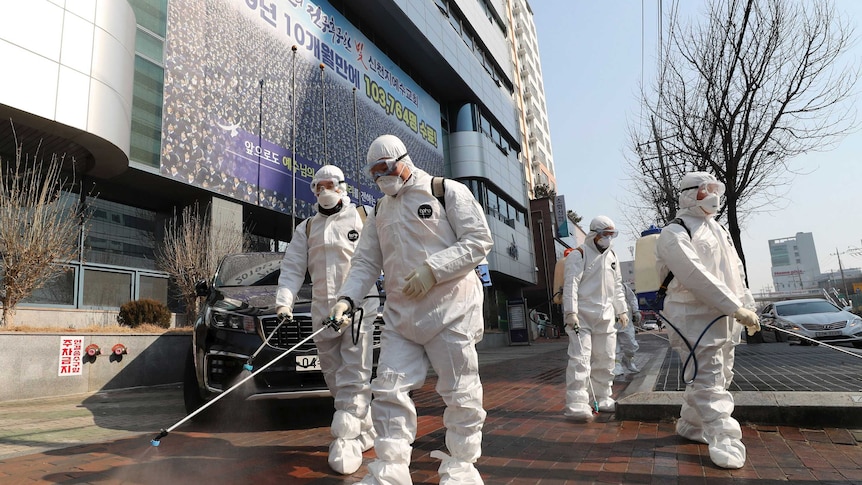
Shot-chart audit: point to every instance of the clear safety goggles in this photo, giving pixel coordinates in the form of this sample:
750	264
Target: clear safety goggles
607	233
382	168
707	188
318	185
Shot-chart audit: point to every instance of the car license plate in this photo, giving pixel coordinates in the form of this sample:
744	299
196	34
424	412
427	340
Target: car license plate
827	333
305	363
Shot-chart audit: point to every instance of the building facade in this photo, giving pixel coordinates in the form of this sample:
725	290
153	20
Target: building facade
536	154
794	263
234	104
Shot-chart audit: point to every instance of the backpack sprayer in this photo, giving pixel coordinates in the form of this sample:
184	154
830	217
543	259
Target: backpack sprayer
247	367
651	291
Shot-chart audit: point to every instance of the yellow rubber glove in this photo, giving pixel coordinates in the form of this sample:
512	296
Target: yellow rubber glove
572	321
284	312
337	314
748	318
624	319
419	281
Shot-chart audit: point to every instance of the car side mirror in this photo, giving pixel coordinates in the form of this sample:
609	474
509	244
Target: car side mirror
202	288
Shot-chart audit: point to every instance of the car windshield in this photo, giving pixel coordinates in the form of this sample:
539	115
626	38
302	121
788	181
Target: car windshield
805	307
250	269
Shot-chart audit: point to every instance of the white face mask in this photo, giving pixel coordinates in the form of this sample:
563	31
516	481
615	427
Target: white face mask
328	199
709	204
603	242
390	184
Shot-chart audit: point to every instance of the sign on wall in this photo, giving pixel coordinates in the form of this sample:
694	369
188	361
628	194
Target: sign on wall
71	356
260	93
560	214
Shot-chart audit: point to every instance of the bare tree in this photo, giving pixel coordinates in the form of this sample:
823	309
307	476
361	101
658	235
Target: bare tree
757	84
41	224
191	250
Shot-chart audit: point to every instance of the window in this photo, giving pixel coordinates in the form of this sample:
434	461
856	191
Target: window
58	291
106	288
147	112
154	288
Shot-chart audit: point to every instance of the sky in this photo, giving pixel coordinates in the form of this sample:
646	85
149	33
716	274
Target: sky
594	57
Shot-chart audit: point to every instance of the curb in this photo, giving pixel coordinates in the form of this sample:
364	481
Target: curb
638	402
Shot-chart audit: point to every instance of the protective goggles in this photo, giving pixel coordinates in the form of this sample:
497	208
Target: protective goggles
607	233
382	168
707	188
324	184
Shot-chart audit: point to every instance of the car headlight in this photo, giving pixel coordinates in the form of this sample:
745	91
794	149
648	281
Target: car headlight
232	321
855	321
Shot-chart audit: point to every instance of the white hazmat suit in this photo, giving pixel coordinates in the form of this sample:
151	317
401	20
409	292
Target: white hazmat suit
325	253
709	281
411	237
627	344
592	298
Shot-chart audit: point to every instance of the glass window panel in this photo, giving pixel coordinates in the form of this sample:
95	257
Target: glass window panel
151	14
455	22
125	236
154	288
106	289
493	204
58	291
149	46
147	112
485	125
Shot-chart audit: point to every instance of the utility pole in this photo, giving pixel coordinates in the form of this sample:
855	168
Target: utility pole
841	270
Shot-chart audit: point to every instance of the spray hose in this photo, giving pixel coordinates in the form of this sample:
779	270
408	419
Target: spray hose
691	357
356	324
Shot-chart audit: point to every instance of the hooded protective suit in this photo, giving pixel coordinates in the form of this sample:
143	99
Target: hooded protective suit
627	344
409	230
325	253
593	290
709	281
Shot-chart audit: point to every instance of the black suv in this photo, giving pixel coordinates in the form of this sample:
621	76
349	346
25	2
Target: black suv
235	320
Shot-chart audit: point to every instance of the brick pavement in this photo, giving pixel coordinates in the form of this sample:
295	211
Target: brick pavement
527	441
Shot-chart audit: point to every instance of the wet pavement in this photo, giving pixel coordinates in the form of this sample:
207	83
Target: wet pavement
105	437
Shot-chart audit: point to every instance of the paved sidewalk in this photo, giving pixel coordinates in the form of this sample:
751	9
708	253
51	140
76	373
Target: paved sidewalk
105	438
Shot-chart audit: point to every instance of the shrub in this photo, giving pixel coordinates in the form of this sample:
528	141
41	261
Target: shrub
138	312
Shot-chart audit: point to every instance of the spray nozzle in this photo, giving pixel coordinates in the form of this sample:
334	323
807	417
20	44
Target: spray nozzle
157	440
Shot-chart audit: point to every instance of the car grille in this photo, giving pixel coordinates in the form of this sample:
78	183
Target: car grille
828	326
288	334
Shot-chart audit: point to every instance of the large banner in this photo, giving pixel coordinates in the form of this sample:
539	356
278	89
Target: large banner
250	82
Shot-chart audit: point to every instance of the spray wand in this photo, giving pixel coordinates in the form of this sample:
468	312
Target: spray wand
329	323
595	406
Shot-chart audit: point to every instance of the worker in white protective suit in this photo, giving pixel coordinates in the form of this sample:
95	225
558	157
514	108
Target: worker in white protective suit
627	344
593	299
708	284
323	245
428	252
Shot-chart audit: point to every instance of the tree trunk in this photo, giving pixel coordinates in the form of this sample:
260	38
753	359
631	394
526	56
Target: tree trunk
8	320
735	234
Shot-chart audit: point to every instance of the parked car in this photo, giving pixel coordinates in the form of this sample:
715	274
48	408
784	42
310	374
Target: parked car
649	321
814	318
236	318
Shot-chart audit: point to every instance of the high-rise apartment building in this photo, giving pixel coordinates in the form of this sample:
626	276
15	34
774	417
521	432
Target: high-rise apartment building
536	154
794	262
233	105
